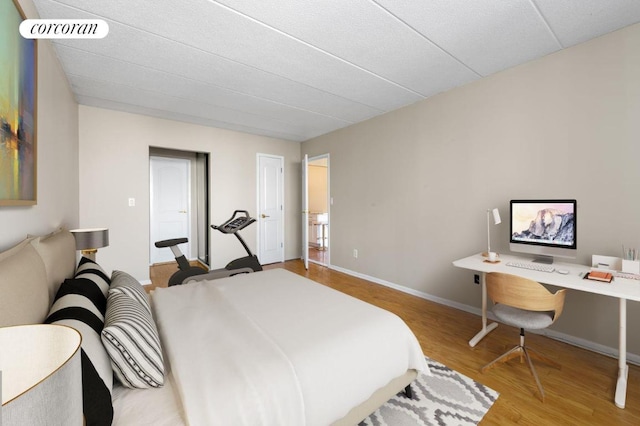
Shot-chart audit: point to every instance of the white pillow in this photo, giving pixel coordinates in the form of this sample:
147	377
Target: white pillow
132	342
121	282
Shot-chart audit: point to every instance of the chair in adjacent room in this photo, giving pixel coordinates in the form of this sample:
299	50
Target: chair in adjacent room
526	304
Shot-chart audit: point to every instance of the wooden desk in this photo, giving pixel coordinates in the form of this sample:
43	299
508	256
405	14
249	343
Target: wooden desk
620	288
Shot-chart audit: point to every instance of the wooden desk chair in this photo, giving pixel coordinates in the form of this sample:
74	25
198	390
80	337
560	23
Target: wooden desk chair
527	304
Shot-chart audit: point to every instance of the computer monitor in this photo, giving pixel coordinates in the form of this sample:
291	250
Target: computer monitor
544	228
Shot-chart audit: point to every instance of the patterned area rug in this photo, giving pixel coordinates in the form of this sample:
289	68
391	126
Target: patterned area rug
445	398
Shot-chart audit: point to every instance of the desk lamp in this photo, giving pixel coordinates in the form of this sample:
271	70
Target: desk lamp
88	241
41	375
496	221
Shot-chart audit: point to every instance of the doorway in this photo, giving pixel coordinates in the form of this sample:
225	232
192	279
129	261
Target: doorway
179	203
319	203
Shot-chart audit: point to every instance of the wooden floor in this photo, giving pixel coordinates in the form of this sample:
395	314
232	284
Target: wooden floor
319	256
580	393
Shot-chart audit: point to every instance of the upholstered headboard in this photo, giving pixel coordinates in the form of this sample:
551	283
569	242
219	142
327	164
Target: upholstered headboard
30	274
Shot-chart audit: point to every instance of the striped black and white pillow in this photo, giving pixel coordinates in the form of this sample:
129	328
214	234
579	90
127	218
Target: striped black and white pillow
81	303
131	339
90	270
121	282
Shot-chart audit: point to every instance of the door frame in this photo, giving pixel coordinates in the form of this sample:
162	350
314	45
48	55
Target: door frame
305	210
200	200
328	250
282	210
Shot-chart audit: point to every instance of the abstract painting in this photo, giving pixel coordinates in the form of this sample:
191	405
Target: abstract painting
18	110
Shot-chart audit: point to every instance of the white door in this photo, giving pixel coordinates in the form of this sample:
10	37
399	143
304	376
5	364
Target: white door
305	212
270	209
170	202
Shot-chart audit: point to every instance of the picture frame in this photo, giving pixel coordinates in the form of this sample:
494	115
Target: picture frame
18	110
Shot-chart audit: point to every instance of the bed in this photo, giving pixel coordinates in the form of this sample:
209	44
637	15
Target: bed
270	347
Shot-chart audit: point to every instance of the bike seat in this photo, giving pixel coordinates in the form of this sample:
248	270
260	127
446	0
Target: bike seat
171	243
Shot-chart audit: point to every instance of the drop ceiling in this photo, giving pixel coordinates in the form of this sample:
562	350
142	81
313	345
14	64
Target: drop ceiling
297	69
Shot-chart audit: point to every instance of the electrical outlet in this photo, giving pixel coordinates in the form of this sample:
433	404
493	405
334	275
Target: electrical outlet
355	253
476	279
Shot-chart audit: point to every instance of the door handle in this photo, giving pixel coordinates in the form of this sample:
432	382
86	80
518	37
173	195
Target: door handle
264	215
182	211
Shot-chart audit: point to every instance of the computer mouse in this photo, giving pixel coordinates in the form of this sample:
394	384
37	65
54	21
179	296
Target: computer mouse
562	271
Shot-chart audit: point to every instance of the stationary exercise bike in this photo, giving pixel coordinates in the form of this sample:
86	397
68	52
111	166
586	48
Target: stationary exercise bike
242	265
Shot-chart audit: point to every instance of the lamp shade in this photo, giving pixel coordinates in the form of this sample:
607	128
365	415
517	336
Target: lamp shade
41	375
94	238
496	221
496	217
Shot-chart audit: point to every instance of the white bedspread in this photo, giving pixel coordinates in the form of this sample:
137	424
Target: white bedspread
273	348
154	406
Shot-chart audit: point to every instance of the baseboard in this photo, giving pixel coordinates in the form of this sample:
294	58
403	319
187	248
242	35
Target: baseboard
556	335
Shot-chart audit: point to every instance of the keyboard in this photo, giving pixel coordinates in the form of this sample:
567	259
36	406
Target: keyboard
626	275
533	266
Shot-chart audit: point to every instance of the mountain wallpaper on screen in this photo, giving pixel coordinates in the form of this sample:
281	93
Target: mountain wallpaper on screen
550	224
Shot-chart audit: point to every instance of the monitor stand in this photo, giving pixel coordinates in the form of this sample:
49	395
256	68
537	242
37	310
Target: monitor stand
547	260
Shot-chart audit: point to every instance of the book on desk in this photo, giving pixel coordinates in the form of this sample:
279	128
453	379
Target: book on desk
601	276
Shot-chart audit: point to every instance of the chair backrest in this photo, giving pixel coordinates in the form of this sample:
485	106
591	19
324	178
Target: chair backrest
523	293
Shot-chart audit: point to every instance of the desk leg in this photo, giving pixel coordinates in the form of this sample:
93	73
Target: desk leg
486	329
623	369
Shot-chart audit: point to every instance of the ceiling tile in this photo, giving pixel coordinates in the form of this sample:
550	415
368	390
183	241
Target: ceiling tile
486	35
212	28
142	48
576	21
107	70
378	42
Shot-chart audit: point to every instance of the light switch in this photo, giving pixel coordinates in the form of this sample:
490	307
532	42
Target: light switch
132	202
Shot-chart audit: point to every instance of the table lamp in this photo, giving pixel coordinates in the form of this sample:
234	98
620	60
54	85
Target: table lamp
88	241
41	375
496	221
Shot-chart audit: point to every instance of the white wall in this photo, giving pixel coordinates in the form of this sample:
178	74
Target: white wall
114	166
57	154
564	126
